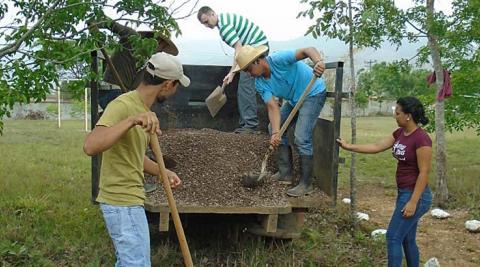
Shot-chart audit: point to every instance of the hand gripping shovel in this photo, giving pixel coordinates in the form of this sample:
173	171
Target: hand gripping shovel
187	258
216	100
254	179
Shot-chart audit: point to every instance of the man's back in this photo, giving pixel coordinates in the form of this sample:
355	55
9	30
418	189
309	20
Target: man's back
121	176
234	27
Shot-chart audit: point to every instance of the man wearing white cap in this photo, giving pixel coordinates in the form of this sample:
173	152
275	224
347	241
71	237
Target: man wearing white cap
284	75
122	134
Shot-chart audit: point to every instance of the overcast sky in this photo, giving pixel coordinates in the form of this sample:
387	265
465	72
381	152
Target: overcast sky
277	18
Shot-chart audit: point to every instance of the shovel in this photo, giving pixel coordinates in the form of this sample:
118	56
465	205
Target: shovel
187	258
216	100
253	179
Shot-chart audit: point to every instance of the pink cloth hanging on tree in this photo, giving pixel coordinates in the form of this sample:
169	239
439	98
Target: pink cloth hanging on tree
446	90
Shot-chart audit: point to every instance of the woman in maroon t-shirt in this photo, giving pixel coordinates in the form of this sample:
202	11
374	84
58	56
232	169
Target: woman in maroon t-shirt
412	147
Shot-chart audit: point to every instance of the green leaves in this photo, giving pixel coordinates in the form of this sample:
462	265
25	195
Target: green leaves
48	41
375	21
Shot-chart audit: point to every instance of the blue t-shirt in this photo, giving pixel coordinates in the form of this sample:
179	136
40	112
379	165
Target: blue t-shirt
288	79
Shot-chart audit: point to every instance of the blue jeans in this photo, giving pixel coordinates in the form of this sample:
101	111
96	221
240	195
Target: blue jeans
128	228
304	122
402	231
247	101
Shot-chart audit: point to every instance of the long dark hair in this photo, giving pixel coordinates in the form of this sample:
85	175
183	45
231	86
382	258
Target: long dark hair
411	105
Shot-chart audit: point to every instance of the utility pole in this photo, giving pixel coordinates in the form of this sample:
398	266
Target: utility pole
370	62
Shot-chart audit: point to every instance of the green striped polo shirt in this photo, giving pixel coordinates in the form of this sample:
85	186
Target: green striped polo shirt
235	28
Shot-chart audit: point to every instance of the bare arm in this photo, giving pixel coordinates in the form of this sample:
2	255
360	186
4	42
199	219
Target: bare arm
102	138
274	117
151	167
424	161
229	77
379	146
313	54
237	47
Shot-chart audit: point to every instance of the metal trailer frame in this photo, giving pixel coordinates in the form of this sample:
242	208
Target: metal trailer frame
177	113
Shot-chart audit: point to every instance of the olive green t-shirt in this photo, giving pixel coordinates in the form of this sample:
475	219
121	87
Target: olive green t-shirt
121	174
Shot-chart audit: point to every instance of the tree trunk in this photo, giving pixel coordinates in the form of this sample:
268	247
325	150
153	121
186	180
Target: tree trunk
441	194
353	119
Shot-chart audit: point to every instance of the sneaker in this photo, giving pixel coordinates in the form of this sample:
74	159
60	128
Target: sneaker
149	187
243	130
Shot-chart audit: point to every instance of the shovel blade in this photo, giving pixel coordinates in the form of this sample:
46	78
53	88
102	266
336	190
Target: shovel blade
215	101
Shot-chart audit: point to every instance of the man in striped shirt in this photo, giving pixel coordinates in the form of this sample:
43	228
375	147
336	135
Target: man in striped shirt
237	31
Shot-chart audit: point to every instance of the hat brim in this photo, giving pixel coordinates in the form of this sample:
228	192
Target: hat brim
184	81
259	50
169	47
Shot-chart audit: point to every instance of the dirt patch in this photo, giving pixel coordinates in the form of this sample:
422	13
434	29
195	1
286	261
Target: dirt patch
211	165
447	240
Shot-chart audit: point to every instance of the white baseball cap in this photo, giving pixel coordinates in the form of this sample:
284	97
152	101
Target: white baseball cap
167	67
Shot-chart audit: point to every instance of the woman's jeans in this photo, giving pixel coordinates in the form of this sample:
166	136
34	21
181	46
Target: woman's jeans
402	231
304	122
128	228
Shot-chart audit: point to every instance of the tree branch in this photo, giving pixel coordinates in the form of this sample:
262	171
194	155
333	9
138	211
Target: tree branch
416	55
28	53
12	48
177	8
415	27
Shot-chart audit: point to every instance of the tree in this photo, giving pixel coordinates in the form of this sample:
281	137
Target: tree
452	41
338	19
47	38
393	80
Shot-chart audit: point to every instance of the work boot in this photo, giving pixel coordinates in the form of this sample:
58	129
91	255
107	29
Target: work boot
284	162
305	186
244	130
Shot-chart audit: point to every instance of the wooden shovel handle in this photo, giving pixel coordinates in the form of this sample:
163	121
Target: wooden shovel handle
287	121
187	258
297	106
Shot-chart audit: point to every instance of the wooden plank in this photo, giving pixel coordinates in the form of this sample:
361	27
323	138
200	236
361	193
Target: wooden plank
300	219
313	200
164	221
269	223
163	207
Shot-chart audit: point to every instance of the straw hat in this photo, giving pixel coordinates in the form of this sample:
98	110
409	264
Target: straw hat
247	55
169	46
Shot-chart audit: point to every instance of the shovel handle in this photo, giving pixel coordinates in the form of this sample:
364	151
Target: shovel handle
297	106
224	84
187	258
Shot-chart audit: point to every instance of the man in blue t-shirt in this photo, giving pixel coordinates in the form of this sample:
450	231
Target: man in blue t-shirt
284	75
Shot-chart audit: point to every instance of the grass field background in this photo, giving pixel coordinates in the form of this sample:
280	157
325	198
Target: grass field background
47	218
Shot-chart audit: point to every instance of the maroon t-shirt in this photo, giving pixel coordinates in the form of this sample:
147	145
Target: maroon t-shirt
405	151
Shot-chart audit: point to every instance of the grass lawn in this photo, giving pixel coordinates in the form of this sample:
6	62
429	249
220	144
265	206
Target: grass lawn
47	218
463	165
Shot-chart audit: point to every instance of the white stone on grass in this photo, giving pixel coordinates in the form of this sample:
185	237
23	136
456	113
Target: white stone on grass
440	214
432	262
473	226
346	200
363	216
378	233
